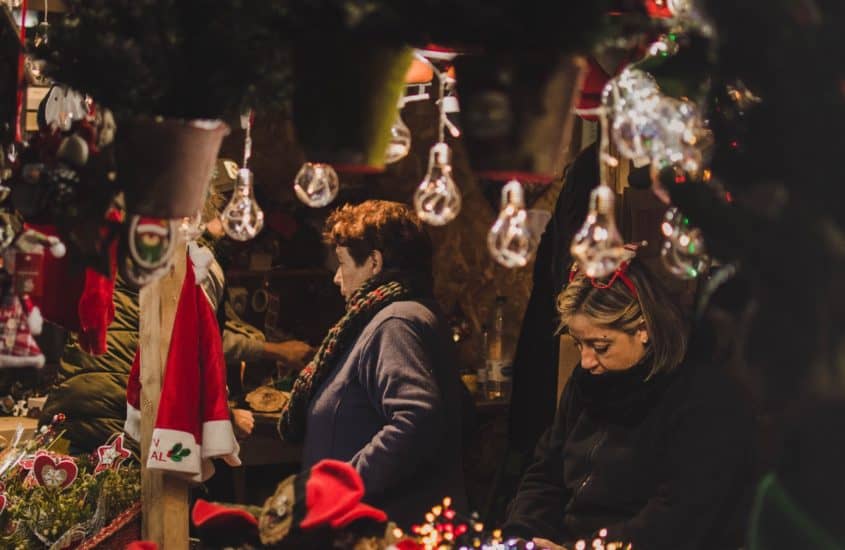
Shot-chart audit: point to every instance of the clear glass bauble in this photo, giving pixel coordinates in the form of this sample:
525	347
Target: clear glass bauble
316	184
598	246
437	200
243	218
510	240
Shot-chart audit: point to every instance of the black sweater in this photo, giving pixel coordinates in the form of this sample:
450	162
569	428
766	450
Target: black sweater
665	463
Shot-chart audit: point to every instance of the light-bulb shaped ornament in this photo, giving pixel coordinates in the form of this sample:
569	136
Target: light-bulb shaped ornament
598	247
400	141
316	184
242	218
437	200
684	253
510	238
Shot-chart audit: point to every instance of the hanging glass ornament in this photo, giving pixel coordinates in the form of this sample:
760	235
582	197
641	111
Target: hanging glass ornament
598	247
510	239
242	218
683	136
192	227
630	99
683	253
437	200
316	184
680	8
400	141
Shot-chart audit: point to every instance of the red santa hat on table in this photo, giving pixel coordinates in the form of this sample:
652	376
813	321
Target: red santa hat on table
326	496
192	425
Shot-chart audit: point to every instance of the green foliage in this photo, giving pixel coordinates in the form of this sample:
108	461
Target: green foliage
50	513
175	58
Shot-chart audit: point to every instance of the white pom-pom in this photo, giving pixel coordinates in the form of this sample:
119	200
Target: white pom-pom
35	321
201	257
57	248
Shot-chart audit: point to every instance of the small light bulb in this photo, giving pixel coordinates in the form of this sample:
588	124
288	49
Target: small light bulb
509	240
437	200
400	141
598	247
316	184
242	218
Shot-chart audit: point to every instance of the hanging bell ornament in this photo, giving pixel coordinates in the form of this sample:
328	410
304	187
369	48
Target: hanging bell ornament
510	239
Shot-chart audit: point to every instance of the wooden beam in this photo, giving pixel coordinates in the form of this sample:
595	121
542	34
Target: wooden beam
164	498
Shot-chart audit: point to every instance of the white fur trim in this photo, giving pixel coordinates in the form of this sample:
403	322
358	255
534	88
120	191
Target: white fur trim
201	257
132	425
218	441
164	441
36	361
35	321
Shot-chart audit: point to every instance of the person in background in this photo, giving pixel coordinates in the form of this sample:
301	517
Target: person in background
648	443
91	389
382	391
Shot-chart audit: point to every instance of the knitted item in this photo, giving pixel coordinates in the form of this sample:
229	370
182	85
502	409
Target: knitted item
366	301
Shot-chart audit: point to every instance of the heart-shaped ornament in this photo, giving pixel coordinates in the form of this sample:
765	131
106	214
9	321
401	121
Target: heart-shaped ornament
54	473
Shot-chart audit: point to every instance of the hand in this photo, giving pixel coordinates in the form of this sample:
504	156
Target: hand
293	354
543	544
243	421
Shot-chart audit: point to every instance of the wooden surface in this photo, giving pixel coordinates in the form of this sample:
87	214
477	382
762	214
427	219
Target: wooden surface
164	498
8	425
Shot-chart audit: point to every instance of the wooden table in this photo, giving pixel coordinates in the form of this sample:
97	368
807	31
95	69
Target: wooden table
8	425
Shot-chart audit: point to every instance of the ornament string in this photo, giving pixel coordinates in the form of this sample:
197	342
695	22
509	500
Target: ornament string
247	121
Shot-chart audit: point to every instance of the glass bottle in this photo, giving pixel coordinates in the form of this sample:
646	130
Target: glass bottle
499	355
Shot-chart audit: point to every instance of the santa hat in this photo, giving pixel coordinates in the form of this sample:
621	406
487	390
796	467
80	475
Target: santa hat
132	424
192	425
76	298
326	496
155	226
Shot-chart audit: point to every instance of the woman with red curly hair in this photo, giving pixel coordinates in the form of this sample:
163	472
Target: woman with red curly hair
383	392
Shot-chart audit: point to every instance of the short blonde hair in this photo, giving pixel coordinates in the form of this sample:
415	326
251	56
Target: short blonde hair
617	308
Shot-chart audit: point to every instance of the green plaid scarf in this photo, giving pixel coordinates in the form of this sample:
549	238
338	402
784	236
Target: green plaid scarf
372	296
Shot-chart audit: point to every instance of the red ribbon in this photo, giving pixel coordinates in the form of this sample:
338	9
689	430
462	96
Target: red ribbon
21	60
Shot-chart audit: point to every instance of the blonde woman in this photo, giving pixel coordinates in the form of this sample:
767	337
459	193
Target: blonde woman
648	443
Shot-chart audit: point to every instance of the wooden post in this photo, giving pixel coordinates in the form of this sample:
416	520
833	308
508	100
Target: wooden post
164	498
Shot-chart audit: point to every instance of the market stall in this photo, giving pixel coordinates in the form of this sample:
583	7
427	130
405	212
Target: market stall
423	274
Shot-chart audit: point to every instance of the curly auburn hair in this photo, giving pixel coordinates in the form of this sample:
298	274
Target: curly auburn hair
389	227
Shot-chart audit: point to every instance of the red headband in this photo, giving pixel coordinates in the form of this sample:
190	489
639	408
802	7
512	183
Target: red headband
620	273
